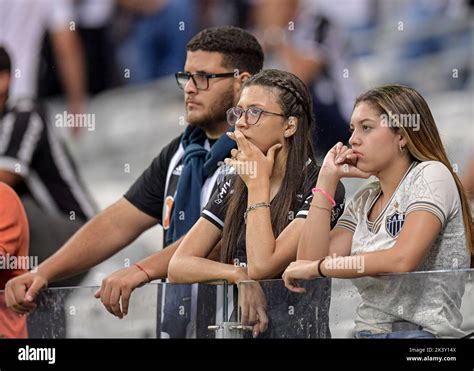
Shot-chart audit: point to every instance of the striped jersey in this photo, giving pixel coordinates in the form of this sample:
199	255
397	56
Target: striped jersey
430	301
30	148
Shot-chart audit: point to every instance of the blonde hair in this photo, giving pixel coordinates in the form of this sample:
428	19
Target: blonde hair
424	143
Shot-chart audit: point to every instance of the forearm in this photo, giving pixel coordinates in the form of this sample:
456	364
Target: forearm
315	238
368	264
260	240
156	265
192	269
70	59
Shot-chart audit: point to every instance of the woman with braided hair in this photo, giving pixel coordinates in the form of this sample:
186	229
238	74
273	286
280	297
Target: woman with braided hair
258	211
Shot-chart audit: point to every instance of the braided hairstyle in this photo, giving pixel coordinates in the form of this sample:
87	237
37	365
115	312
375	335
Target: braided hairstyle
294	100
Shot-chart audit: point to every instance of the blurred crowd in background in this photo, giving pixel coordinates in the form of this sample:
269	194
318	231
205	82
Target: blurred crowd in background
136	41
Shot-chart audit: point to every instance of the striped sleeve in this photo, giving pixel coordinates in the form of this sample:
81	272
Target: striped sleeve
213	218
20	134
429	207
348	219
216	208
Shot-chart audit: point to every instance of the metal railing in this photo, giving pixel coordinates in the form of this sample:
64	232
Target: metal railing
440	301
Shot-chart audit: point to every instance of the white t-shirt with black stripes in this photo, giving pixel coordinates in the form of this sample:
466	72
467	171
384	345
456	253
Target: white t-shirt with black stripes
30	148
431	301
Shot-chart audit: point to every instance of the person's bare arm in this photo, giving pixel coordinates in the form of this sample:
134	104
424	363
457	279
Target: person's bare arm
274	17
69	56
405	256
268	256
104	235
99	239
189	263
317	239
116	289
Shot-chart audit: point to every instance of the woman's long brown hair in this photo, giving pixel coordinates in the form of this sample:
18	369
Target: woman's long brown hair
424	143
294	100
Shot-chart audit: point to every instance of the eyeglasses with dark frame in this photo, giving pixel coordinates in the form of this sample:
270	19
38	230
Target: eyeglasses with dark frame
200	79
251	114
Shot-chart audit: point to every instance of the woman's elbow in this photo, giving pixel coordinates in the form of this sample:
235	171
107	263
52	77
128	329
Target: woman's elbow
174	270
404	264
259	272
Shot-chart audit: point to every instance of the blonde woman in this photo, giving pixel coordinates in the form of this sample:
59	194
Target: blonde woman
415	217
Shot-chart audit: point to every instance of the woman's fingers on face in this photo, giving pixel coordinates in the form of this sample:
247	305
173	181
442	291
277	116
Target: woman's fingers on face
348	158
343	155
338	147
342	150
231	135
242	142
234	152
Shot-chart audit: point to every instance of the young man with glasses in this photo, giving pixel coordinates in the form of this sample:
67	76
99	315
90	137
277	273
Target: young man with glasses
175	187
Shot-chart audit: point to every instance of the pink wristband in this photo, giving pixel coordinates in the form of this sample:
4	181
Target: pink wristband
327	195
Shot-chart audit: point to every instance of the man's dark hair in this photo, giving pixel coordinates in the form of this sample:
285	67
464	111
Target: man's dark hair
239	48
5	63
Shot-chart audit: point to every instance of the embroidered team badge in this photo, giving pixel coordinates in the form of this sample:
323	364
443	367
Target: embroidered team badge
394	223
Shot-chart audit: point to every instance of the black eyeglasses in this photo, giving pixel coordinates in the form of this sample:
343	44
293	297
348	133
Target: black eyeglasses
200	79
252	115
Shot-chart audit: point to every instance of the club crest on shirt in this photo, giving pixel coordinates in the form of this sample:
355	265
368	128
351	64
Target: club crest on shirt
394	223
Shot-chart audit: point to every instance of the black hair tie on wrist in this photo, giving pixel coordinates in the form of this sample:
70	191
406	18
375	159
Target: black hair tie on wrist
319	268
